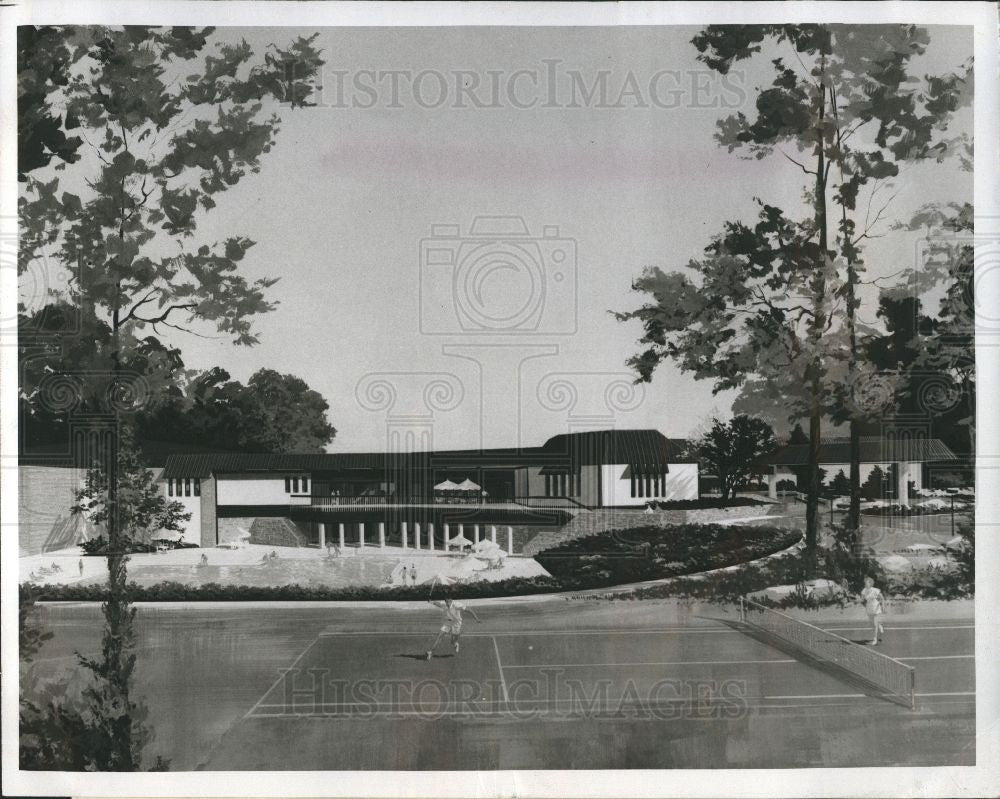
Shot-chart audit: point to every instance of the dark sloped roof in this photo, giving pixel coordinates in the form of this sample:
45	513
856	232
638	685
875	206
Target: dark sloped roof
634	447
874	449
631	447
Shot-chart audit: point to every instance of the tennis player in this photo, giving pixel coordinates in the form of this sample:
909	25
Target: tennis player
452	622
874	607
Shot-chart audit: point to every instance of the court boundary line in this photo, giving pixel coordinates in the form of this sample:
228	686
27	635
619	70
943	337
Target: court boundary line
638	631
543	706
705	662
503	680
283	673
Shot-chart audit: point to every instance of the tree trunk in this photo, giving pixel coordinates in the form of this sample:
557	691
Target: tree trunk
815	370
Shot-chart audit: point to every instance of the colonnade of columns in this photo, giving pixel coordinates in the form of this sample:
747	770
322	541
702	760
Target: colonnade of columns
423	537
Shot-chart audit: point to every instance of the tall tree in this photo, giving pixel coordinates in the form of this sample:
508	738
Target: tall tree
738	315
170	123
732	450
846	98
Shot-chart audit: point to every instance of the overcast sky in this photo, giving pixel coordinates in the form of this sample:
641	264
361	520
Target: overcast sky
342	203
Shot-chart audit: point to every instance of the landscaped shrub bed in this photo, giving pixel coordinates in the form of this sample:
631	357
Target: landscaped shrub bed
707	503
648	553
633	555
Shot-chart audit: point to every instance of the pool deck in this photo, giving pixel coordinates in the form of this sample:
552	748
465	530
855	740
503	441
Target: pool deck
247	565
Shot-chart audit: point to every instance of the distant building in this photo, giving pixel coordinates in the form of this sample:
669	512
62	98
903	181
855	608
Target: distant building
228	494
910	457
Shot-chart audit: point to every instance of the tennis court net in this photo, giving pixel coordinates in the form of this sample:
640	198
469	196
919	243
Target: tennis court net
896	679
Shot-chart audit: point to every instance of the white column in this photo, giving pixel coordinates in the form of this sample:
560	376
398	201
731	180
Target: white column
430	536
447	535
510	540
340	535
461	530
903	482
416	534
322	535
475	534
361	535
403	531
772	483
381	535
493	533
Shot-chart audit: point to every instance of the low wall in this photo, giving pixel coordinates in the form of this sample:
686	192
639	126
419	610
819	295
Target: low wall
714	515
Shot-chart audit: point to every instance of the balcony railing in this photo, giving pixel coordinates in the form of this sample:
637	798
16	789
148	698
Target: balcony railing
376	501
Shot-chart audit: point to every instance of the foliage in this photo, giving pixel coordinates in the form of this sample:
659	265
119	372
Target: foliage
169	127
732	451
30	636
707	503
141	506
840	485
876	485
273	412
761	311
43	61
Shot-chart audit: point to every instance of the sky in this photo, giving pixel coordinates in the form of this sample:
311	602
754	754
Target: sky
358	210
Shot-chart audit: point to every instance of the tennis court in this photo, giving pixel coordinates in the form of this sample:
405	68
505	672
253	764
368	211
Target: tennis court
713	669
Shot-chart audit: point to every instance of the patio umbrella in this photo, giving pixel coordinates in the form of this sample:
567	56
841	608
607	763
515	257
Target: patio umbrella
484	544
468	485
460	541
464	568
446	485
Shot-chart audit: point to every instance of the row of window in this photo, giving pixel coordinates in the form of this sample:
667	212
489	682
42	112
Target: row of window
184	487
562	485
651	484
297	485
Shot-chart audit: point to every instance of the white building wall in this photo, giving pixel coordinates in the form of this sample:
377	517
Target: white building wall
192	528
236	489
192	504
616	490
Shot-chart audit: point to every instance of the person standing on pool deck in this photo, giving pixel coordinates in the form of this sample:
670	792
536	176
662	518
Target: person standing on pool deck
874	607
452	622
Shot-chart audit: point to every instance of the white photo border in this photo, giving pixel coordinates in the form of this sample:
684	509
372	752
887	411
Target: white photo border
982	779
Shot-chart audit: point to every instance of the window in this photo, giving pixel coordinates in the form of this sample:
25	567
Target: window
305	484
197	486
548	485
649	484
642	484
631	474
663	483
170	487
288	485
187	486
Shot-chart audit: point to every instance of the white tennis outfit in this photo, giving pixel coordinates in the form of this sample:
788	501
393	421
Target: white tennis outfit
452	617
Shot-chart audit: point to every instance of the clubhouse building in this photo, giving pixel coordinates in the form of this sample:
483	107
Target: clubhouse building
422	499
